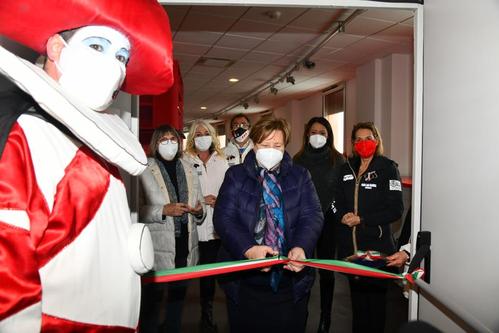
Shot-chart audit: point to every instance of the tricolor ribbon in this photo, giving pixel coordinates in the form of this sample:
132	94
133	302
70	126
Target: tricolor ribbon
193	272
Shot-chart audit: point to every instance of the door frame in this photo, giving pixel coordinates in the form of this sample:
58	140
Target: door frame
417	152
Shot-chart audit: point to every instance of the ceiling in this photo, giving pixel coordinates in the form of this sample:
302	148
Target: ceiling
257	44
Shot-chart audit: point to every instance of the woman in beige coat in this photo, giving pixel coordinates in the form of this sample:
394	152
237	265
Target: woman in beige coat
171	203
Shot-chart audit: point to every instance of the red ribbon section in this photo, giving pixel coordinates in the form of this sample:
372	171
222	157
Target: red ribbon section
242	265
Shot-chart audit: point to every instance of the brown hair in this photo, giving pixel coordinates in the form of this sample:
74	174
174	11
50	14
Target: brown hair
370	126
158	134
239	115
266	125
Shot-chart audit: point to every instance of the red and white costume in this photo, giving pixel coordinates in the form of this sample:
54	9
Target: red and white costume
64	219
64	224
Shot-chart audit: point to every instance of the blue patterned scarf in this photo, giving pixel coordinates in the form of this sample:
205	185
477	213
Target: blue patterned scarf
270	227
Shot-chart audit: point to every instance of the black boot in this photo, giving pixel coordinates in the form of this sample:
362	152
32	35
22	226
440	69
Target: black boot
207	325
324	323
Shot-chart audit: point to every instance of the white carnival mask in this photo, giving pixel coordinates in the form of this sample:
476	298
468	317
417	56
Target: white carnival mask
93	65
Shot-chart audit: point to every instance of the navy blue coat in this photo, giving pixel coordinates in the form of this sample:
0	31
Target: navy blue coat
236	214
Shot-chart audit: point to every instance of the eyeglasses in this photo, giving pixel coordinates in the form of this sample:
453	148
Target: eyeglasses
165	140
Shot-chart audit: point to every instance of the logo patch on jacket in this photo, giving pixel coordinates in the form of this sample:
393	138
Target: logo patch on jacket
368	186
370	176
347	177
395	185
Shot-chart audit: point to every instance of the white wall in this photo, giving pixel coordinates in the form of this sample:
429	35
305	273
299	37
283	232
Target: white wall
460	160
384	95
298	112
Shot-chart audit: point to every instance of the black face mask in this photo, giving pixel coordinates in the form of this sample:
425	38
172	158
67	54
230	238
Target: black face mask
240	131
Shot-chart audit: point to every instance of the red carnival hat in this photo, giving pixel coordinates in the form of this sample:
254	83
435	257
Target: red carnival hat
144	22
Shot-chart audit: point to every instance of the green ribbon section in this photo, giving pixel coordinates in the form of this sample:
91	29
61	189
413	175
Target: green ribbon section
240	265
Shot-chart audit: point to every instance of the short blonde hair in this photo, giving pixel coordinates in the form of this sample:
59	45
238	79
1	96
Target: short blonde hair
266	125
215	143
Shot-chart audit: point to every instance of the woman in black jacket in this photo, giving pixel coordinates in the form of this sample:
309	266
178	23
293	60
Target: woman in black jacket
324	162
368	199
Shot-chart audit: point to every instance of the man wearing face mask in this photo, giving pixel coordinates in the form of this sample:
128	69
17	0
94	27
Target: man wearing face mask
69	260
240	144
268	206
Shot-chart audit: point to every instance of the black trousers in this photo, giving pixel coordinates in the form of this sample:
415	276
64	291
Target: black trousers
208	252
326	249
259	309
161	307
368	304
165	300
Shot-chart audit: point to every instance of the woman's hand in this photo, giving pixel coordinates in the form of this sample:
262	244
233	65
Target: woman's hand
260	252
350	219
210	200
398	259
296	253
175	209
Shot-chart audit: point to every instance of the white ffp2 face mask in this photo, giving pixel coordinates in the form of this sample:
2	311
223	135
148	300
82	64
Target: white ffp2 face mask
89	76
269	157
317	141
203	143
168	149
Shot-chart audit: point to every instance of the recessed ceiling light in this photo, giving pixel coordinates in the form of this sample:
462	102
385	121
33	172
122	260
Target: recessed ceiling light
233	79
203	108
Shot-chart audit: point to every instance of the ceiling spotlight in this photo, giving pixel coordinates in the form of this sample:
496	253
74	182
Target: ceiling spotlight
272	14
290	79
203	108
245	105
273	90
233	79
308	63
341	26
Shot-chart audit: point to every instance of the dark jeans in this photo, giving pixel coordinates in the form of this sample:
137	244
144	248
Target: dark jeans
368	304
154	297
326	248
259	309
208	252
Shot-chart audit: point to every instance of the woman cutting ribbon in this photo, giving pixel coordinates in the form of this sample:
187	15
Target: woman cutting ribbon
268	206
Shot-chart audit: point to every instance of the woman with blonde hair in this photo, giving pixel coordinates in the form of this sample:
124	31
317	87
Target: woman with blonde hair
203	152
